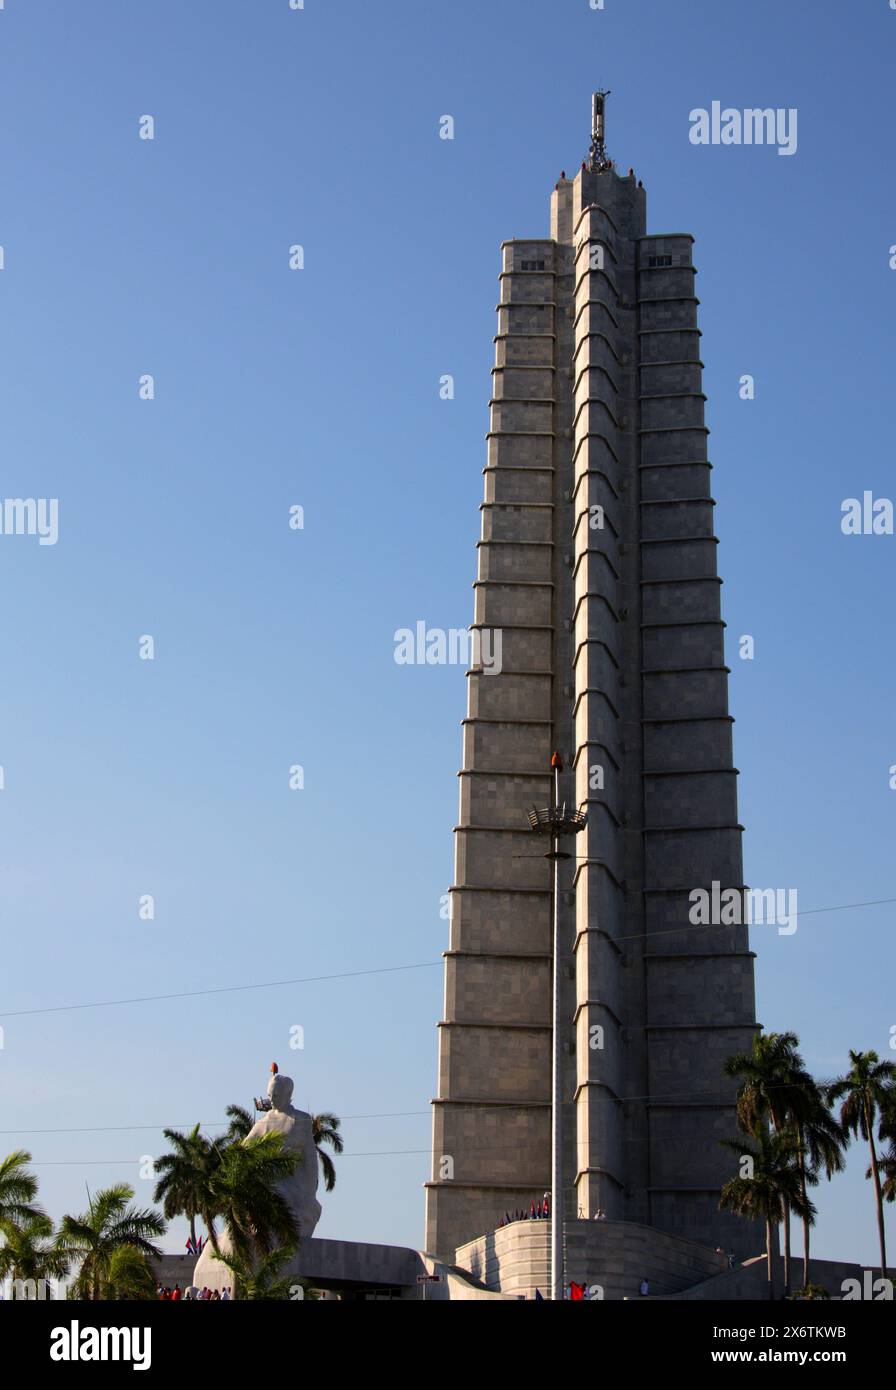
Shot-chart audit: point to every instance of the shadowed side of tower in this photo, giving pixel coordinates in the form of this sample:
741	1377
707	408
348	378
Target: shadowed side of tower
597	562
491	1123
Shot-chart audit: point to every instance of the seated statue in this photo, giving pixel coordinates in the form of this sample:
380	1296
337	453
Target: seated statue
299	1191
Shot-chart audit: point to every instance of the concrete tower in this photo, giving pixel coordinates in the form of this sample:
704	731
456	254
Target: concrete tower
597	563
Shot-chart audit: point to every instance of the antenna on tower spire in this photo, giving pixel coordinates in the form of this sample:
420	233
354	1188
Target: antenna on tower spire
598	159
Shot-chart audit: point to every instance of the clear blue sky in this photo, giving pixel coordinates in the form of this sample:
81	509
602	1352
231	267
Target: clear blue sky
320	388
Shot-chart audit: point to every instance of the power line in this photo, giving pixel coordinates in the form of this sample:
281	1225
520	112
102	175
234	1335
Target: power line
93	1162
723	926
392	969
875	902
203	1124
224	989
464	1152
657	1098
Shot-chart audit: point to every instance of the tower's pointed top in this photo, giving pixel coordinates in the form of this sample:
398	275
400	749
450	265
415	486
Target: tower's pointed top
598	160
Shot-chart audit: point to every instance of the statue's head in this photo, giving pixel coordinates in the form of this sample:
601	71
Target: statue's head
280	1091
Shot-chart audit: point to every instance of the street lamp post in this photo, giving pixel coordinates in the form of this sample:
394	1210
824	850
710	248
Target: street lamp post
556	820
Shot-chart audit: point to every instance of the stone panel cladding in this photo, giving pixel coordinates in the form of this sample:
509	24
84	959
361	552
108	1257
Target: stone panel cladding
699	1003
597	562
491	1122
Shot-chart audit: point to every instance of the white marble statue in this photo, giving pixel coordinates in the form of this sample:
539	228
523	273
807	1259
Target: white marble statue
299	1190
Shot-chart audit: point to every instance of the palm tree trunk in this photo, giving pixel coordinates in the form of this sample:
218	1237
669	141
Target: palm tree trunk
210	1230
193	1230
805	1224
768	1248
778	1120
875	1174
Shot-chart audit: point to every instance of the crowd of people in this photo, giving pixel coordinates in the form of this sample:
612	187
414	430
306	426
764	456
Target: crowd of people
192	1294
540	1211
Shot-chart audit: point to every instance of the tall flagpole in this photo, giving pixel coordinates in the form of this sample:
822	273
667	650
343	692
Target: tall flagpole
556	820
557	1280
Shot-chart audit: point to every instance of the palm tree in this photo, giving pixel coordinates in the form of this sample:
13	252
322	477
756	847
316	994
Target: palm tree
822	1146
30	1254
18	1189
93	1237
240	1123
183	1188
773	1187
245	1194
774	1087
238	1129
887	1160
130	1276
887	1165
867	1091
326	1131
262	1278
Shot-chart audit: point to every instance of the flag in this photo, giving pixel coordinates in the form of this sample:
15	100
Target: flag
539	1297
191	1248
577	1291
